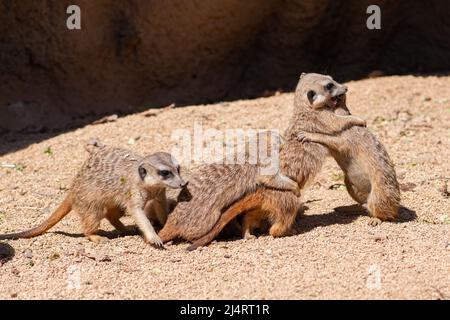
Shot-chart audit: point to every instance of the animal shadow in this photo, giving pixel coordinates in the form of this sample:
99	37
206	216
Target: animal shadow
343	215
6	253
406	215
305	223
114	234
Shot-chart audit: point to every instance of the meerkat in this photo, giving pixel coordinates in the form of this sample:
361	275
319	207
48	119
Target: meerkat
316	102
297	161
213	188
369	173
111	182
155	209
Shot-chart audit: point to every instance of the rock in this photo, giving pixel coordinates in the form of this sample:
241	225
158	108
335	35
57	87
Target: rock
138	67
111	118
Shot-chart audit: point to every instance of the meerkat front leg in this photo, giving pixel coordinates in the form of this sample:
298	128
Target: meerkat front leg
332	142
138	213
337	123
279	181
160	208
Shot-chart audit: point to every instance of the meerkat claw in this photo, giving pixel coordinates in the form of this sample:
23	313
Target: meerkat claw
302	137
373	222
156	241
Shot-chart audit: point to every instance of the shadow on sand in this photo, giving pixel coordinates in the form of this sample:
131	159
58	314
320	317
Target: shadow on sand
6	253
304	223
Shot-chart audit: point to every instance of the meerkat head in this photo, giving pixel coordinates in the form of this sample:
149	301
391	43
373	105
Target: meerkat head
319	91
161	169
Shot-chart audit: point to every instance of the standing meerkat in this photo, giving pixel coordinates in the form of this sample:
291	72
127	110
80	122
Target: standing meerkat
110	182
212	189
317	98
369	172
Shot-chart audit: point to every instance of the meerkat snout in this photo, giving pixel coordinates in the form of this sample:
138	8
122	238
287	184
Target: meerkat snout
161	169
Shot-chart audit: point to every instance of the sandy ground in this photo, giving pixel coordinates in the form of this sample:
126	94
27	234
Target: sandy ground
331	256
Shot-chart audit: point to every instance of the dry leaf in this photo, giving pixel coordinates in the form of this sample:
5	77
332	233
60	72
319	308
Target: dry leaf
111	118
408	186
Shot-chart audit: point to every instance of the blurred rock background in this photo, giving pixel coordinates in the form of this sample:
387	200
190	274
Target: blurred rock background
133	55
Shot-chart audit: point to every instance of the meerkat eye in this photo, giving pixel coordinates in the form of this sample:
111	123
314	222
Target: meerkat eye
311	95
329	86
164	173
142	172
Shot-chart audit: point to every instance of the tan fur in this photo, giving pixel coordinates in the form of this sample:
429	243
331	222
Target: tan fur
211	190
110	182
256	207
369	172
300	162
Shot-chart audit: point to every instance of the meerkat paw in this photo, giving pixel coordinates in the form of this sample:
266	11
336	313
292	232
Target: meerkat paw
155	240
96	238
373	222
362	122
249	236
303	136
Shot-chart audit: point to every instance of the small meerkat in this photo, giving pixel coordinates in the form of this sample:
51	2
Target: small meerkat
369	172
316	102
110	182
212	189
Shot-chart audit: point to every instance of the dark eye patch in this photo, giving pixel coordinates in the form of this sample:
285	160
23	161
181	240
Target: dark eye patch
329	86
164	173
311	95
142	172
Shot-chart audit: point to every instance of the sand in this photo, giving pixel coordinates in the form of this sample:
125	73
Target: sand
331	256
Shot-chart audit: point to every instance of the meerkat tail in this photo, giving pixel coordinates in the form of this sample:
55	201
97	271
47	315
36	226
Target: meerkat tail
64	208
232	212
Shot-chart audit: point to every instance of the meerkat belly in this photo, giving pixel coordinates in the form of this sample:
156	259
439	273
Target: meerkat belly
357	177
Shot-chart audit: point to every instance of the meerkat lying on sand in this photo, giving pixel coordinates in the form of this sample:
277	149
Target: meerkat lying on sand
213	188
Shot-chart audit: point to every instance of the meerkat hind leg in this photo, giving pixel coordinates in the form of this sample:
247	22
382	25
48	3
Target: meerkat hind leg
249	222
113	215
91	223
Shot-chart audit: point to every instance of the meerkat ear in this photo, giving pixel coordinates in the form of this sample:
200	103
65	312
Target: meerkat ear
142	172
302	75
311	96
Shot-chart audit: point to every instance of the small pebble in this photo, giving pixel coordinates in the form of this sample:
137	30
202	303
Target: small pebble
28	253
